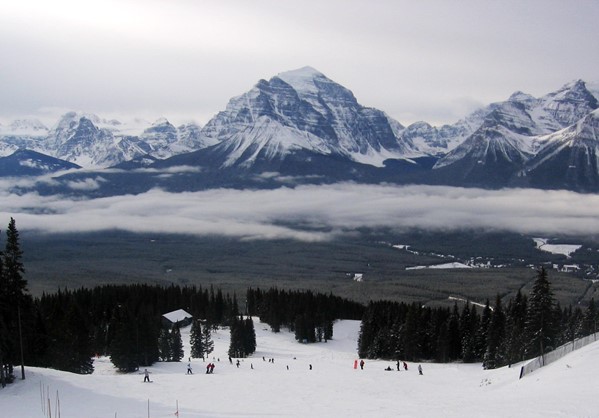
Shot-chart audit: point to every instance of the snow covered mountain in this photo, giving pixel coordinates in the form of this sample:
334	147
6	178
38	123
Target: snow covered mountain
568	158
521	113
90	141
31	163
22	134
489	157
302	126
303	109
511	134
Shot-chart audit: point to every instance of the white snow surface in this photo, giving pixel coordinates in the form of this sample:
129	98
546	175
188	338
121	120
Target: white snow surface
565	249
454	265
333	388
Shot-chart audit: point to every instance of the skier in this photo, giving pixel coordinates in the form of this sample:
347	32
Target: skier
405	366
212	368
189	368
237	363
420	369
146	375
361	364
230	360
397	365
208	368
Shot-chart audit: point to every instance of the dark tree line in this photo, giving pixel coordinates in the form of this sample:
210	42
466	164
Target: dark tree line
526	327
310	315
122	321
64	330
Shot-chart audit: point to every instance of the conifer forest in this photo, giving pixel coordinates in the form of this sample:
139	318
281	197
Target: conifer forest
66	329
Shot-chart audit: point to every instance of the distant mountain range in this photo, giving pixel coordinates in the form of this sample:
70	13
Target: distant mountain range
301	127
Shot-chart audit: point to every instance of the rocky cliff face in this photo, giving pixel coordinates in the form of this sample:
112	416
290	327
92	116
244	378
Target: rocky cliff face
303	109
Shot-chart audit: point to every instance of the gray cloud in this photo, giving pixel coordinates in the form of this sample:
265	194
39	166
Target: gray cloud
430	60
311	213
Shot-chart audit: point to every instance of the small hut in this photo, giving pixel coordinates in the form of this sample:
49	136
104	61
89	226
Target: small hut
178	317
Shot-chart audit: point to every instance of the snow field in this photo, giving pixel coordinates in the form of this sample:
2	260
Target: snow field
333	388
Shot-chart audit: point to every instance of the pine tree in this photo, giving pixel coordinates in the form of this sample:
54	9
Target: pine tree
147	334
468	326
177	352
454	338
79	343
123	347
514	329
249	345
494	356
195	339
13	268
328	330
207	340
540	322
481	334
13	287
164	345
590	319
236	340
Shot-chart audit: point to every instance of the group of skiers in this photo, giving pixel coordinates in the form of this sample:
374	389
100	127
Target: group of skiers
210	368
398	364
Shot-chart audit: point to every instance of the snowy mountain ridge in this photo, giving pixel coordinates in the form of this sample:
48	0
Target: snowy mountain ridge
299	114
93	142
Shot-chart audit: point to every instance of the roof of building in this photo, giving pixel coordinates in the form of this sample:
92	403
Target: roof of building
177	316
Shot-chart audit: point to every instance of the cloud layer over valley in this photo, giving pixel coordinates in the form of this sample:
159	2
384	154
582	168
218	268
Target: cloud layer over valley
309	213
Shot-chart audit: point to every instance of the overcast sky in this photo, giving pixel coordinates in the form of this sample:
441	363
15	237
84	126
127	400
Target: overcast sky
184	59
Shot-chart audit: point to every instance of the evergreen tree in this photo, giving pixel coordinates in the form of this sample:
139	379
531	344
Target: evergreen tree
78	343
328	330
123	347
207	340
540	322
249	345
147	334
481	334
195	339
13	268
454	338
514	329
590	319
13	287
494	356
236	340
177	352
164	345
468	326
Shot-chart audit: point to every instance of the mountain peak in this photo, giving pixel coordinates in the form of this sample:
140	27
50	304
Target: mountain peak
161	121
303	72
302	79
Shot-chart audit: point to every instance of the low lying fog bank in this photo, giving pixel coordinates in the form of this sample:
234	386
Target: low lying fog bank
323	212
